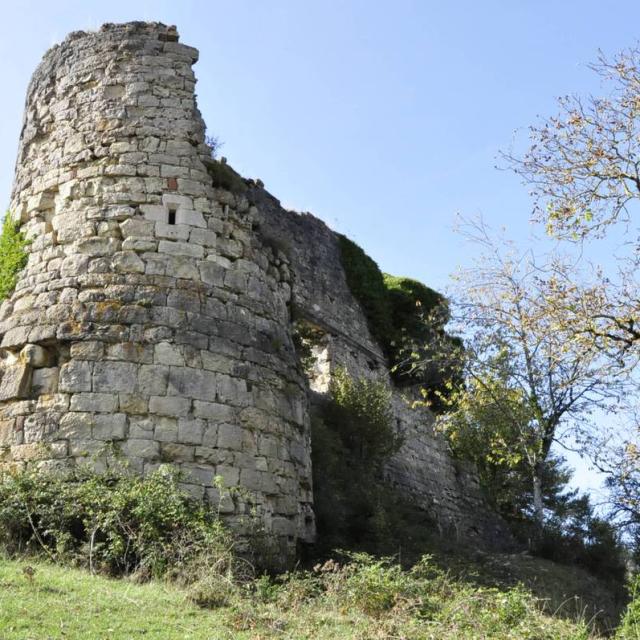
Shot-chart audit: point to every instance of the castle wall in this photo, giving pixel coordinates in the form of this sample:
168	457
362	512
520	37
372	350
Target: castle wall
154	317
423	468
149	318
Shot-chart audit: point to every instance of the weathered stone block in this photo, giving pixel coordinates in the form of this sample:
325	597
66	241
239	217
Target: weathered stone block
223	504
171	231
131	403
127	262
137	228
213	411
15	382
229	436
192	383
110	427
180	249
166	429
98	402
190	217
153	379
204	237
141	427
173	406
131	352
230	475
76	425
212	273
75	376
141	448
173	452
283	527
7	435
190	430
109	377
202	475
155	212
210	434
45	381
167	353
87	350
98	246
87	447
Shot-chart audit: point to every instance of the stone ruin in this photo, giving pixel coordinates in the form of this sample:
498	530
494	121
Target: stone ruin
155	312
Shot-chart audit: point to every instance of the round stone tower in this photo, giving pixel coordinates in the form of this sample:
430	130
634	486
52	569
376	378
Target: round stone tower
149	319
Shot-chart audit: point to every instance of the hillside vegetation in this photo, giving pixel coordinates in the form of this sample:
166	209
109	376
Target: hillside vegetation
113	555
363	599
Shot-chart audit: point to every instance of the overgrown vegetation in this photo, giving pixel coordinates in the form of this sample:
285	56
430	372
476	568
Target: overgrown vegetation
224	177
13	255
366	282
345	475
114	522
361	598
403	315
148	529
405	295
630	626
353	436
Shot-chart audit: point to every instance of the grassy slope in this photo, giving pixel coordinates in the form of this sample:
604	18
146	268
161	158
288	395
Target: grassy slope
66	603
565	591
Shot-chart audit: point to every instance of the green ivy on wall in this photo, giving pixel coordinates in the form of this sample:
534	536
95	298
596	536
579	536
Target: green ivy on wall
397	311
13	255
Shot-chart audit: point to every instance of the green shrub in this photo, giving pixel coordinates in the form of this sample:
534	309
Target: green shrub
415	604
224	177
420	349
353	436
360	412
629	628
114	522
13	256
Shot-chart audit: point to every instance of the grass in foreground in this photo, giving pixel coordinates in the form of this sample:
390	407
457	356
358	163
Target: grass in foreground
366	599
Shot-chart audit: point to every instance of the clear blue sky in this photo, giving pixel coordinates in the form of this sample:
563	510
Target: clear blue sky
383	118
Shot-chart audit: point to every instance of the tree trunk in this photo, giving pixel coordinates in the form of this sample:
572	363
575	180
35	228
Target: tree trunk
538	508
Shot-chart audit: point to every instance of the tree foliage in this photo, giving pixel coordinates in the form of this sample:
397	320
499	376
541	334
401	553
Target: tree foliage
360	411
529	381
583	168
583	165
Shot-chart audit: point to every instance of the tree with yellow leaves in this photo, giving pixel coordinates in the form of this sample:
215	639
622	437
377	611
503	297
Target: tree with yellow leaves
529	380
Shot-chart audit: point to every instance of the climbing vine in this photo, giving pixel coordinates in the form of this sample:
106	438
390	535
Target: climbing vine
13	255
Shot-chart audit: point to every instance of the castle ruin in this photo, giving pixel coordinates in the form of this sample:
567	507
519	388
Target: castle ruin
155	311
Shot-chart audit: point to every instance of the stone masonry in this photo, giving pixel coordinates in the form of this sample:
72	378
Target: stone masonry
155	312
148	314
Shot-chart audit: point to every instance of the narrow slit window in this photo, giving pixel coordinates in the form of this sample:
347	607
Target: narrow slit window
172	216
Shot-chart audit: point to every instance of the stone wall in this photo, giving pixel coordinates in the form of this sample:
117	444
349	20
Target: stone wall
148	317
154	317
446	489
